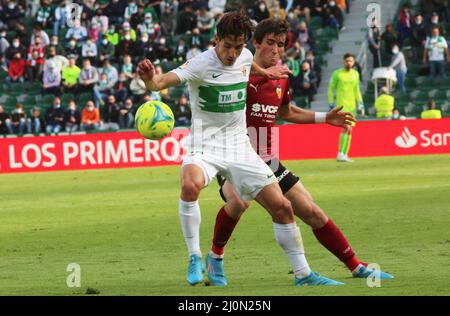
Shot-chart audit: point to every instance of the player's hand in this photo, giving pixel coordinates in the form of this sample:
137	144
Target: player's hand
146	70
278	72
338	118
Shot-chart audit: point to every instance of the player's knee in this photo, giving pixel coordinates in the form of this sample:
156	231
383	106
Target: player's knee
190	190
237	207
282	211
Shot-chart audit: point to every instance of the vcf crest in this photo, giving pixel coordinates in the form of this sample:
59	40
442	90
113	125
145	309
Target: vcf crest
279	91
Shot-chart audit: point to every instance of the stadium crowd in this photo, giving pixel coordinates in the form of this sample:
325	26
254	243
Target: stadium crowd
92	61
414	45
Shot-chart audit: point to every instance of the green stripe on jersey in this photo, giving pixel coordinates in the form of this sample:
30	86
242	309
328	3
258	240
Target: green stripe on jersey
223	99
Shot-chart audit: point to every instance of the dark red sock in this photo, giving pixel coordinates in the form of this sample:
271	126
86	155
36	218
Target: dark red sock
331	237
222	231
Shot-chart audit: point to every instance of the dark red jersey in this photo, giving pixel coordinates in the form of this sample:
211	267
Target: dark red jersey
264	99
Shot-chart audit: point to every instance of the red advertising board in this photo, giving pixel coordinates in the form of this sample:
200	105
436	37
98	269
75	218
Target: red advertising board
128	149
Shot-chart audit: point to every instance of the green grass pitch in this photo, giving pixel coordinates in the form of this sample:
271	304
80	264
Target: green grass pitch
121	226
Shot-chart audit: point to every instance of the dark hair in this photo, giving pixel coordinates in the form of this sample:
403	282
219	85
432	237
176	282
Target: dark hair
235	24
348	55
270	26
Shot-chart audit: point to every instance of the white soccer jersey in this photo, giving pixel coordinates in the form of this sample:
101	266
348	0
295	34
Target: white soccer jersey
217	95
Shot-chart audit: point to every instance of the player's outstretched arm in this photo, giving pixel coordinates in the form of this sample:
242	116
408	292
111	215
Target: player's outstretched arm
298	115
272	73
154	82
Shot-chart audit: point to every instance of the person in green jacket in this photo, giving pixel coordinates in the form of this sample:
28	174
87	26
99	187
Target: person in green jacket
344	91
384	104
432	112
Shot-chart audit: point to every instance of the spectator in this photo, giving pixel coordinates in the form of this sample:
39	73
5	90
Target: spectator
78	32
180	51
315	66
88	77
217	6
205	20
187	20
38	32
303	8
431	112
111	73
405	23
131	9
112	35
51	79
110	114
101	90
126	46
90	117
35	122
398	62
374	43
162	51
122	89
418	37
54	43
22	34
4	43
73	48
59	60
54	117
396	115
89	50
260	11
16	47
72	118
35	66
147	26
5	122
195	39
94	32
70	76
389	38
126	28
137	88
384	104
127	67
11	14
126	114
105	50
116	11
182	112
306	37
332	15
144	49
59	17
44	15
305	86
18	120
169	20
102	21
194	51
137	17
435	50
16	71
36	46
434	22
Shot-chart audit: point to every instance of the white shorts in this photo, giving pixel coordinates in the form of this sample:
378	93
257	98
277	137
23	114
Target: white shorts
249	175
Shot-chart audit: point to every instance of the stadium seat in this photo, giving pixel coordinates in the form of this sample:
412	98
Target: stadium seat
47	100
302	102
16	89
33	88
29	100
84	97
421	98
66	97
10	103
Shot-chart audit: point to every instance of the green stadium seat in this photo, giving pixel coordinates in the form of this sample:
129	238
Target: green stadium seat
66	97
10	103
47	100
421	98
33	88
29	100
16	89
84	97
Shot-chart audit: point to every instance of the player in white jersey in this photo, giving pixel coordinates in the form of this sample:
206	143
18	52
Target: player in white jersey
217	81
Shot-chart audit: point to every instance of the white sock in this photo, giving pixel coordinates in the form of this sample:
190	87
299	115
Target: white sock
190	219
289	238
215	255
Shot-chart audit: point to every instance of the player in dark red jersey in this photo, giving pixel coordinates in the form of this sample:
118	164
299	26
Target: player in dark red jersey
265	100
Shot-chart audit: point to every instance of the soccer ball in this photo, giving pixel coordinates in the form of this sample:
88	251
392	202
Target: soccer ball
154	120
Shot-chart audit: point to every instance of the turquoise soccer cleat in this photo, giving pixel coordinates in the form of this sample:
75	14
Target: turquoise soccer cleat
315	279
216	273
363	272
195	270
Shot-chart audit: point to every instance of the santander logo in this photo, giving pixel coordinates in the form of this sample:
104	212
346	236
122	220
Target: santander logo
406	139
